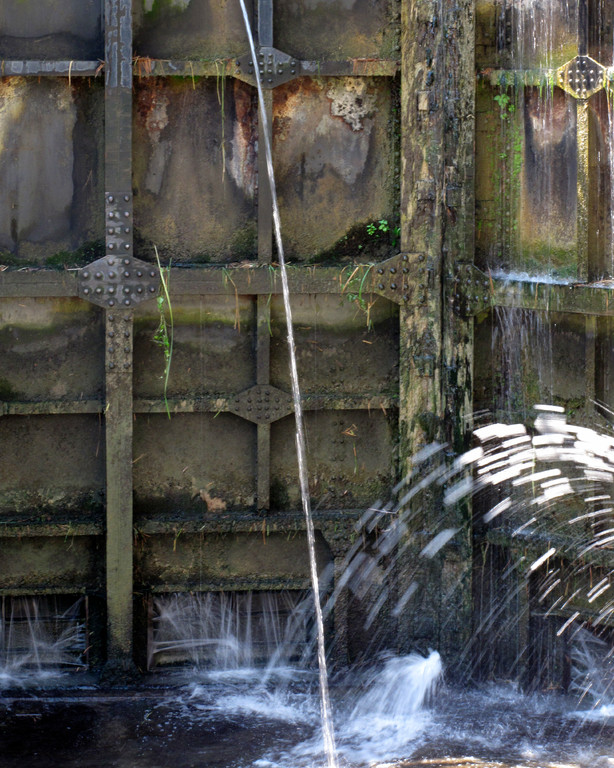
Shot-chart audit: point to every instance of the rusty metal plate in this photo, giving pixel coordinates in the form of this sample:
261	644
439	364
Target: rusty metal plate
470	291
403	279
275	67
261	404
115	281
581	77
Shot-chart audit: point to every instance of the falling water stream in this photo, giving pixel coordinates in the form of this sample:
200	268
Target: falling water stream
327	720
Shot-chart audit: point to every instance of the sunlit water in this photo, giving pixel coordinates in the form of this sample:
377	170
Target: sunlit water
394	710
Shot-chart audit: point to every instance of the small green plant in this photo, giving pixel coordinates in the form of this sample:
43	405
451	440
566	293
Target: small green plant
354	290
377	228
164	334
505	105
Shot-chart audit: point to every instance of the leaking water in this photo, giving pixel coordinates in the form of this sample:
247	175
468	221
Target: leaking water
327	721
546	486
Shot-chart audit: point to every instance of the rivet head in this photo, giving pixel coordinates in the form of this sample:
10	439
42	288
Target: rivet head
392	270
126	290
126	197
110	262
152	289
111	350
111	302
126	261
393	286
111	230
111	318
111	215
126	365
98	275
111	365
139	273
85	274
111	289
127	246
126	273
380	286
111	246
112	275
86	291
152	273
127	214
126	230
111	334
99	290
139	289
111	199
127	302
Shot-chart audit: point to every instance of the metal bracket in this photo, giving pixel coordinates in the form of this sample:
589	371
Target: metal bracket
122	282
261	404
404	279
275	67
118	279
581	77
471	292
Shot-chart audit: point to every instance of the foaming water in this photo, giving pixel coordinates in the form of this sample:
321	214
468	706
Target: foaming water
378	714
40	639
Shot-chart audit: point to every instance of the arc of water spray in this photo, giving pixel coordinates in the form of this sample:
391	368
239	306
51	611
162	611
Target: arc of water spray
327	722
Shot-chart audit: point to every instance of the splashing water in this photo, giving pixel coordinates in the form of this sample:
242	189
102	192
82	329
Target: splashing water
327	722
39	639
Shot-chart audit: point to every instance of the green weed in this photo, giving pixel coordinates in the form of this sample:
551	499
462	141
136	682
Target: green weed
164	334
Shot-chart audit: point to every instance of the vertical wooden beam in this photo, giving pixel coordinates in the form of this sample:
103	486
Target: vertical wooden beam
118	354
118	423
458	246
422	73
583	186
263	353
437	97
265	256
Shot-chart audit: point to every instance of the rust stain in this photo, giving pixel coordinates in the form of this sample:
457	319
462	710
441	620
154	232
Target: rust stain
214	503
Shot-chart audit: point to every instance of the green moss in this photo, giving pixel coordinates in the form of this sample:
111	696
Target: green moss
7	392
365	242
85	254
280	498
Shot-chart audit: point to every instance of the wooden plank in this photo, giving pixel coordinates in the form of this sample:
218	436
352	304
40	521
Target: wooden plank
118	337
12	68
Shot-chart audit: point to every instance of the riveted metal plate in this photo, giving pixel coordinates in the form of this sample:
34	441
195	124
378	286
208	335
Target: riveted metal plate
118	222
469	290
404	279
261	404
118	281
118	341
275	67
581	77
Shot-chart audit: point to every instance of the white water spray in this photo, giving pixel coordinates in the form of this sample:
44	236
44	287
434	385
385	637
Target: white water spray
327	722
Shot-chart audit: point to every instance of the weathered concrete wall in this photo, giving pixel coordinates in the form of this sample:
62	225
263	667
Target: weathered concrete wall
51	169
312	29
50	350
192	559
45	29
333	144
188	29
194	171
